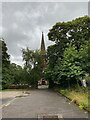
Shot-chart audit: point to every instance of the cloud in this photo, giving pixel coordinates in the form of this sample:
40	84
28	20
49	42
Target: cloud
23	23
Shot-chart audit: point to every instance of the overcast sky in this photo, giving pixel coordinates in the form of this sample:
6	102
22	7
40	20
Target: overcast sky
23	23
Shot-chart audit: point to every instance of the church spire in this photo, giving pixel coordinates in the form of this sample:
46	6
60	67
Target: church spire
42	43
43	53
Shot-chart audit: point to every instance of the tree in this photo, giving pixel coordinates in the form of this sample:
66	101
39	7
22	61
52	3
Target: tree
16	71
27	57
5	55
73	31
65	33
32	58
68	57
69	68
6	78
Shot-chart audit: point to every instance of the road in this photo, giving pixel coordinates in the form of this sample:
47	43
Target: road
6	96
42	102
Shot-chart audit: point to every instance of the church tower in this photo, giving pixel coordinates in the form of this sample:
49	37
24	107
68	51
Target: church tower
43	53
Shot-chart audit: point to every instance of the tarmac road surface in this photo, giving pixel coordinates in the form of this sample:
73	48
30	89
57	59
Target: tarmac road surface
42	102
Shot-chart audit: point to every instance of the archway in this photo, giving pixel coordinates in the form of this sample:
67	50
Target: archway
43	84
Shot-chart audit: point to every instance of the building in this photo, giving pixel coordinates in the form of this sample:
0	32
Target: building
43	53
43	61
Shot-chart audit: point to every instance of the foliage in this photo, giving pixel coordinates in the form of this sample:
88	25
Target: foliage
49	74
6	78
32	58
70	67
27	57
68	60
34	77
64	33
13	74
16	72
70	32
78	97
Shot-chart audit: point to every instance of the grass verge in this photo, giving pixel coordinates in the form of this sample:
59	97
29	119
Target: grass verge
80	97
11	90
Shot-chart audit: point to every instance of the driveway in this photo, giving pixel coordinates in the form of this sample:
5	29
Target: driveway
42	102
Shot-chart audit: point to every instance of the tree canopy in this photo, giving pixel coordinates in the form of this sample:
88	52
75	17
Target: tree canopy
68	57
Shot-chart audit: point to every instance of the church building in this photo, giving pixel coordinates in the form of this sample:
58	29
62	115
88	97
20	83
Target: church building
43	53
43	61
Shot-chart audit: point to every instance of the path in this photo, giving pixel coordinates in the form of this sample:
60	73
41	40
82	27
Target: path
42	102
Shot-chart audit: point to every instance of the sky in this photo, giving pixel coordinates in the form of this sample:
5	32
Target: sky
23	23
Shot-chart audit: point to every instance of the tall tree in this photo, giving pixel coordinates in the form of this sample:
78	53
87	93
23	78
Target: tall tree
32	58
5	55
6	78
75	33
65	33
